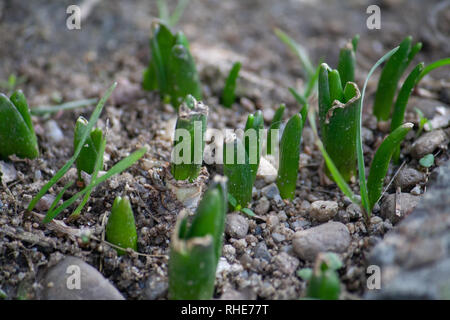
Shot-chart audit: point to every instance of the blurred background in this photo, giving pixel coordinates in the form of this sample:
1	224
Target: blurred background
36	44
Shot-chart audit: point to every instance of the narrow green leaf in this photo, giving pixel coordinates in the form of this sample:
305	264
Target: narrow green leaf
178	12
387	84
380	163
359	144
228	95
336	87
93	119
432	66
298	50
289	157
275	126
43	110
398	114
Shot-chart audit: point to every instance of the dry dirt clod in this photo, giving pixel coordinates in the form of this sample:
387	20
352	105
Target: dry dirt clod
323	211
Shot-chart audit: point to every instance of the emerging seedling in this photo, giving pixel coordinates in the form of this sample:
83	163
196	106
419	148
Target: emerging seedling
371	188
290	156
323	281
338	112
253	141
196	248
121	227
228	95
347	61
390	76
95	180
91	149
17	134
189	140
172	69
237	169
273	133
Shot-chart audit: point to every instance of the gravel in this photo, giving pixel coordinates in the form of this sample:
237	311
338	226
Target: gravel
323	211
236	226
405	205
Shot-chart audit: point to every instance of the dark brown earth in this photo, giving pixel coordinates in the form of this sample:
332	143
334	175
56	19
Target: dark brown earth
61	65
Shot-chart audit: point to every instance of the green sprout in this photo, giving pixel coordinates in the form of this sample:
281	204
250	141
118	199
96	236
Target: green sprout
46	110
189	139
12	83
228	95
172	69
422	122
370	189
323	281
390	76
196	248
338	110
347	61
238	170
121	227
407	88
91	149
273	133
172	19
95	179
311	73
290	156
17	134
253	141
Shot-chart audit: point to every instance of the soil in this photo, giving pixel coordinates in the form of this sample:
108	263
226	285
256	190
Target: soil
57	64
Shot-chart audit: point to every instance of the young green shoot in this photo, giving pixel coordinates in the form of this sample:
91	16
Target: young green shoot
196	247
17	134
189	140
253	141
422	122
390	76
273	133
323	280
347	61
238	170
228	94
290	157
95	180
427	160
172	69
338	113
45	110
121	226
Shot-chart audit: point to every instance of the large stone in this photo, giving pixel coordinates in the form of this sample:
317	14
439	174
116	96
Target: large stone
429	142
331	236
414	258
397	206
236	226
408	177
60	282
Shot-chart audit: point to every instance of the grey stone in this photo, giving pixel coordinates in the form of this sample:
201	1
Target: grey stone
262	252
408	177
278	237
270	191
7	172
414	257
45	203
406	203
323	210
93	286
331	236
428	142
354	211
236	226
